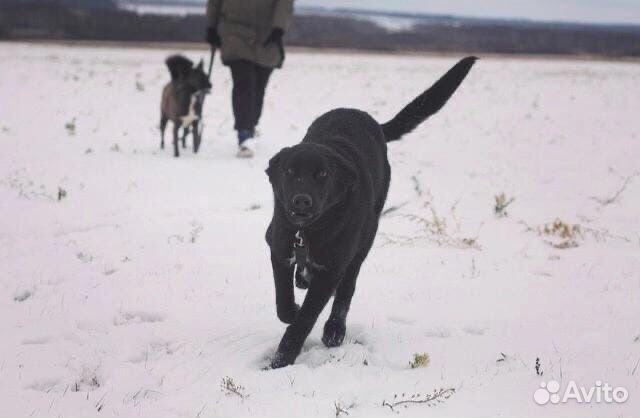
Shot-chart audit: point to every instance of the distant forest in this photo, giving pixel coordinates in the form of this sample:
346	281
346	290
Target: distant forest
103	20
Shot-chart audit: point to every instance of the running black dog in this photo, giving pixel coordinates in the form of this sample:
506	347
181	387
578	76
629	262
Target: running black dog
182	100
329	191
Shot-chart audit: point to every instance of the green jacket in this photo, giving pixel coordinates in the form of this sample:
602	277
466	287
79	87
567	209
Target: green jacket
245	25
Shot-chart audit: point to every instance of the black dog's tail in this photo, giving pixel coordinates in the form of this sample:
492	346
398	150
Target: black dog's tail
428	102
179	66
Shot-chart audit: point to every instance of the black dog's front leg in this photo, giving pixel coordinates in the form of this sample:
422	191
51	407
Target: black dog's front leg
285	298
196	137
163	125
185	133
318	295
176	131
336	327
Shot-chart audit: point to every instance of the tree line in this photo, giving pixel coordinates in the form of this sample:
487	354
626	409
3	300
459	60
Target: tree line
102	20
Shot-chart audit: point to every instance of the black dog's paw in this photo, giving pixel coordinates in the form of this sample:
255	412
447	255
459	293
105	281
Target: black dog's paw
282	360
290	315
334	332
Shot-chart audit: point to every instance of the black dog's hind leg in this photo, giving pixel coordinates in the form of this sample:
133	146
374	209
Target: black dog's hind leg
318	295
185	132
336	326
176	132
285	298
163	125
196	136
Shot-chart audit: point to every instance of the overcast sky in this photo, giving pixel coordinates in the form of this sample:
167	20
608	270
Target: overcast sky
594	11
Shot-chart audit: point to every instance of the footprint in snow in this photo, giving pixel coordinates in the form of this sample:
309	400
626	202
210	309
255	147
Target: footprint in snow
36	340
352	353
474	330
44	385
155	349
137	317
438	333
401	321
22	295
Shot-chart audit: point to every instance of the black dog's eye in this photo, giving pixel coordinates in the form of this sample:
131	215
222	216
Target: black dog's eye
322	174
289	171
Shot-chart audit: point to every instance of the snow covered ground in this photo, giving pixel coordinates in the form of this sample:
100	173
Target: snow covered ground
145	286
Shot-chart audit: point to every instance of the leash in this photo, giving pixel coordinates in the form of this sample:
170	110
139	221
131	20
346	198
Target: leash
201	98
211	57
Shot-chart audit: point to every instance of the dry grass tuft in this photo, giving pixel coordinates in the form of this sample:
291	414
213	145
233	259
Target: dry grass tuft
420	360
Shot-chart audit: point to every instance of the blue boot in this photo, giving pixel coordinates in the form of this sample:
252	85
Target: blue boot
244	148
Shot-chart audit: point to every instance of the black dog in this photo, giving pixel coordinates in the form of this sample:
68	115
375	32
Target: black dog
182	100
329	191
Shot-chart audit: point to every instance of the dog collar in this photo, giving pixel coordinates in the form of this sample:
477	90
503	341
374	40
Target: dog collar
300	252
302	260
300	257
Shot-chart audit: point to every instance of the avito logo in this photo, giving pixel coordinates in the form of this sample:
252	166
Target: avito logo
549	392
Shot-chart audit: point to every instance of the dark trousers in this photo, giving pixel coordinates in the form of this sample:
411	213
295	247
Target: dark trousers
249	83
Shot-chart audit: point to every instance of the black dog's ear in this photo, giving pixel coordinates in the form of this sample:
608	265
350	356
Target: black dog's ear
345	170
200	65
274	162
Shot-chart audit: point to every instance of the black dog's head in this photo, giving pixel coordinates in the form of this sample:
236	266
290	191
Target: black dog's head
308	179
182	69
197	78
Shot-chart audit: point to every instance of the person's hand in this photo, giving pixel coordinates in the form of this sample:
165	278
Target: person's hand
212	37
274	37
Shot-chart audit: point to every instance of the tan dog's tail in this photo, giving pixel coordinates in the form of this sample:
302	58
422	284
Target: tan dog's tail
179	66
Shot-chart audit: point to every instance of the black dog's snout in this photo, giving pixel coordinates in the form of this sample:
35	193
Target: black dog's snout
302	202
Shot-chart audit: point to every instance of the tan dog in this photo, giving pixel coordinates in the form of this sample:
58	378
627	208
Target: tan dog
182	100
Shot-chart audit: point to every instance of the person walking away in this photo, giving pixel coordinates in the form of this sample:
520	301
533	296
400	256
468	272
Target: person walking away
249	34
